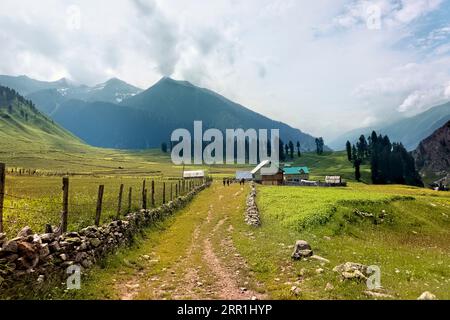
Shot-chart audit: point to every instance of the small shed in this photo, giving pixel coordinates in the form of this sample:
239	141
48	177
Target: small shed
333	179
262	174
244	175
190	175
295	174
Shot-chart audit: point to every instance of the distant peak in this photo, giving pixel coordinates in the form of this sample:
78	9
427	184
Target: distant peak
114	80
65	82
169	80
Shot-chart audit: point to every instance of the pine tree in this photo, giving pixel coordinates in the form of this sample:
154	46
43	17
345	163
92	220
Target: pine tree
164	147
357	166
319	145
362	147
299	152
354	154
349	151
291	149
281	151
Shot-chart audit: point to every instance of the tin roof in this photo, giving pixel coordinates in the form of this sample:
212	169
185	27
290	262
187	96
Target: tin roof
247	175
296	170
260	166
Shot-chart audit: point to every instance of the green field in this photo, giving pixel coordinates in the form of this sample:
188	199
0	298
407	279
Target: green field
89	167
330	164
411	244
37	201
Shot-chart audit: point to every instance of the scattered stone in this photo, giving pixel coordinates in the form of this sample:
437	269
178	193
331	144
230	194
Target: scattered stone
319	258
132	286
302	250
25	249
25	232
378	295
252	217
296	291
11	258
363	214
54	247
427	296
96	242
50	253
352	271
319	271
10	246
329	287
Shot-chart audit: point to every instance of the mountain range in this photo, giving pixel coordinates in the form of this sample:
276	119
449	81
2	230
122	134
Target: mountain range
22	125
118	115
433	154
409	131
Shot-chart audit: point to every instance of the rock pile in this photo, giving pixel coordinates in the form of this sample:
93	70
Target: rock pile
47	254
252	217
352	271
302	250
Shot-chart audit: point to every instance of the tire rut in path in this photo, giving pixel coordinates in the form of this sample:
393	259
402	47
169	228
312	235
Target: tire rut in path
202	273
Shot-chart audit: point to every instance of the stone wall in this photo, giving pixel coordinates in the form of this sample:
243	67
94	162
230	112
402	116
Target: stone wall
252	212
46	255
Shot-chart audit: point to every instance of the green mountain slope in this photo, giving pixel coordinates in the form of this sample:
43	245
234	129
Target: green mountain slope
410	131
178	104
109	125
149	118
23	129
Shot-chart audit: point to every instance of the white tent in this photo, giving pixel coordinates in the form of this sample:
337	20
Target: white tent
198	174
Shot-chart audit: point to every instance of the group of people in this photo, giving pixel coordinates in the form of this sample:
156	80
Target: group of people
228	182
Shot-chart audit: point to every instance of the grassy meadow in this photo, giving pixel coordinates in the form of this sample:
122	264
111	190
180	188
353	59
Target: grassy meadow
36	200
410	242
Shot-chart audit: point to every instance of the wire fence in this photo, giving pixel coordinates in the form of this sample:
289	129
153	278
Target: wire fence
76	202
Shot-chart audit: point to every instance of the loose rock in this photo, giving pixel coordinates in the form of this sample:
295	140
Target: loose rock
25	232
352	271
302	249
427	296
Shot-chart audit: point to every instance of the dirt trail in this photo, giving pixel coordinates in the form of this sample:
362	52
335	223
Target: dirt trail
206	266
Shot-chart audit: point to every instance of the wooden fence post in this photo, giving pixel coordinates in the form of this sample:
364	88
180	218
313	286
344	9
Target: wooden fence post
153	193
2	192
98	212
65	205
164	193
145	200
171	192
144	196
176	190
119	205
130	192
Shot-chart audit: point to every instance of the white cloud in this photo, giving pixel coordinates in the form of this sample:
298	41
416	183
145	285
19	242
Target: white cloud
421	100
412	88
264	54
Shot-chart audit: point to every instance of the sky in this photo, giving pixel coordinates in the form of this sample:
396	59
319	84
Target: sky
325	66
